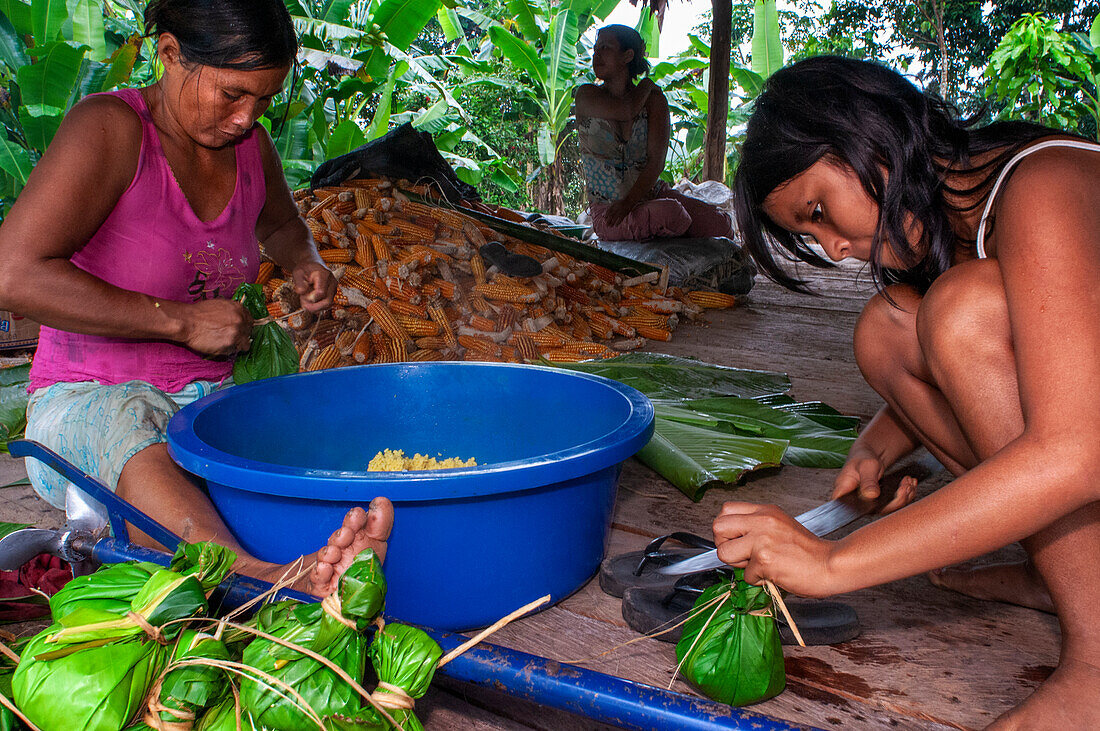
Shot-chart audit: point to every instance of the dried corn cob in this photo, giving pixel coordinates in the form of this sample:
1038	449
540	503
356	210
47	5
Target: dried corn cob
482	323
364	252
506	293
426	355
401	289
328	202
345	342
565	356
712	300
417	327
386	320
436	313
266	271
363	349
653	333
401	307
477	264
326	358
432	342
335	256
525	345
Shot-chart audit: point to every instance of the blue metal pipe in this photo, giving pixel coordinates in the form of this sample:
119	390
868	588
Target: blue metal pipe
598	696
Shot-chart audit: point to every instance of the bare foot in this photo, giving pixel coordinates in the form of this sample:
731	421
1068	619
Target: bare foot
1014	583
361	530
1068	699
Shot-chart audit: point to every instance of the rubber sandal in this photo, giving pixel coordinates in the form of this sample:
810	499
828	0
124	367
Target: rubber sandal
639	568
653	610
514	265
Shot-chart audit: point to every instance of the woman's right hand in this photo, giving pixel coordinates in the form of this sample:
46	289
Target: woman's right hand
216	326
863	471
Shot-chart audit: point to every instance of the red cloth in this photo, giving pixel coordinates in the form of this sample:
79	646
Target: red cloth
43	572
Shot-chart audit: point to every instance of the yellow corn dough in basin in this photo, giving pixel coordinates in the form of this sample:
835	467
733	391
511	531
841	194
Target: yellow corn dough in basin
394	460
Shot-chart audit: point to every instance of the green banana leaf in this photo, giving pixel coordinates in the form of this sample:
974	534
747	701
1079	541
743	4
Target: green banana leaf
362	594
367	719
406	657
816	410
767	48
811	443
730	648
206	561
96	689
188	690
223	717
272	352
670	377
694	458
13	403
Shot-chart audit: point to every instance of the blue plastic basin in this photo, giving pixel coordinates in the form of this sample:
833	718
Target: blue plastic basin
285	458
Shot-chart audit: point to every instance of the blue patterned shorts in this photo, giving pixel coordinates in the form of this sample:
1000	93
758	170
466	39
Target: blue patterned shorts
99	428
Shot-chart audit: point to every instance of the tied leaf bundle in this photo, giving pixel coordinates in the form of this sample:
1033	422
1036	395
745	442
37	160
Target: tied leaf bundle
223	717
272	352
93	668
730	648
185	691
112	588
405	659
330	629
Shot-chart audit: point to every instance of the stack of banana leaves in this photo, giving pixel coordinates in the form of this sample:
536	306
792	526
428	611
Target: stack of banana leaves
131	647
714	423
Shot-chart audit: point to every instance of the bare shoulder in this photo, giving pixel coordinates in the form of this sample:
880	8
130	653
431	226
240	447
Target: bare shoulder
1050	197
103	120
587	97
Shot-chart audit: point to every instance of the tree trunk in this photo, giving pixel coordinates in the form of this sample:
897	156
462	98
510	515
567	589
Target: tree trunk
714	165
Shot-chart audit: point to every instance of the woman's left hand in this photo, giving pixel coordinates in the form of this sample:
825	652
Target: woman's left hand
769	544
617	211
315	285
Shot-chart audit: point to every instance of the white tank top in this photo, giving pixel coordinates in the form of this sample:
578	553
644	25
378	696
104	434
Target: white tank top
1079	144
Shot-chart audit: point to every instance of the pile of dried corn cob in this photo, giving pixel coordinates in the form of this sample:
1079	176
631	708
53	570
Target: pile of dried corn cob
413	287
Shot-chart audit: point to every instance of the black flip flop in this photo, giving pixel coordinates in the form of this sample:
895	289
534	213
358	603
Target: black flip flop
514	265
639	568
653	610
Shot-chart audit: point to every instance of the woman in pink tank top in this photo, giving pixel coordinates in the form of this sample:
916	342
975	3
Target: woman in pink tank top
128	241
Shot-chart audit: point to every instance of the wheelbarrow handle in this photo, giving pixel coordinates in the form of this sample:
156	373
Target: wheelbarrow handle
118	510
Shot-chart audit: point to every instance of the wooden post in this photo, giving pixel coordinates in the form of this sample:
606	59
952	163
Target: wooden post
714	163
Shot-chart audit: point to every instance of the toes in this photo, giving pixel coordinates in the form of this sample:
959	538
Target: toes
322	579
379	521
355	519
329	555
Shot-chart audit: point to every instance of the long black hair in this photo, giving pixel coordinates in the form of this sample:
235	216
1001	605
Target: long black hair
874	120
229	34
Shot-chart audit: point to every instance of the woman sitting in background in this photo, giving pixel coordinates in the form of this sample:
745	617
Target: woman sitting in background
624	131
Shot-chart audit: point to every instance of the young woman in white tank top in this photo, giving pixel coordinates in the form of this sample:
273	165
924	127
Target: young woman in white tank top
984	342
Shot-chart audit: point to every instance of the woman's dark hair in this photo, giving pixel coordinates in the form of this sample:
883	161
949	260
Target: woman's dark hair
231	34
874	120
629	40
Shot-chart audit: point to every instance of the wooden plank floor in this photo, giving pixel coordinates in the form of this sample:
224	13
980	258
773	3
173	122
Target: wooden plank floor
926	659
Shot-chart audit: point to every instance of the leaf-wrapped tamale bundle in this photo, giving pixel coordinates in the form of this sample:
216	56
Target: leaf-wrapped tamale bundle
8	721
112	588
188	690
330	629
272	352
404	659
730	648
93	668
223	717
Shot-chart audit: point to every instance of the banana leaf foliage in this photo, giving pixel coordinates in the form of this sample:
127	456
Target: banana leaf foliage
713	424
361	593
227	716
272	352
93	668
730	647
188	690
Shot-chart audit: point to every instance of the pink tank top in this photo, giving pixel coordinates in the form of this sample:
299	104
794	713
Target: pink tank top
153	243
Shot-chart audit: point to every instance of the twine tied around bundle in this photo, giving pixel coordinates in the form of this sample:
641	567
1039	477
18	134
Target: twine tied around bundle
333	608
154	632
392	696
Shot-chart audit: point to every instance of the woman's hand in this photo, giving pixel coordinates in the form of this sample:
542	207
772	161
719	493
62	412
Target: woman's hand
315	285
862	471
769	544
213	327
618	210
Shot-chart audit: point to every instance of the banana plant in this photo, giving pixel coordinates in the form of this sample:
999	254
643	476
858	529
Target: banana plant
767	47
549	52
53	54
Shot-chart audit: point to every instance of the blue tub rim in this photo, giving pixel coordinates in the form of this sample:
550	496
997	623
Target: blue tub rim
239	473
